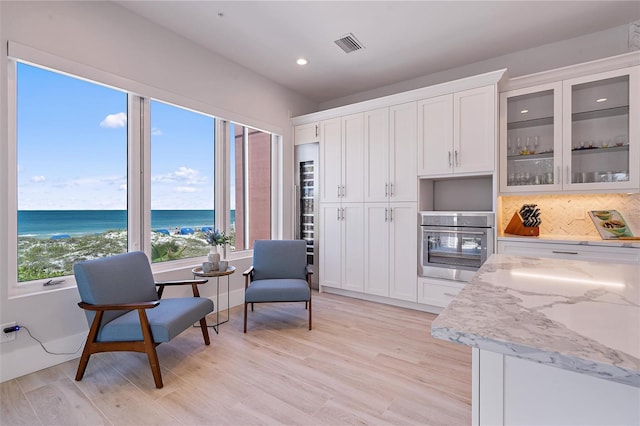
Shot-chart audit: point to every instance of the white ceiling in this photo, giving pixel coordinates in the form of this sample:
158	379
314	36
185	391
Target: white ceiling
402	39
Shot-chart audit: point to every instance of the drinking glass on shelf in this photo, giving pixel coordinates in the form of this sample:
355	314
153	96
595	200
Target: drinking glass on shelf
536	143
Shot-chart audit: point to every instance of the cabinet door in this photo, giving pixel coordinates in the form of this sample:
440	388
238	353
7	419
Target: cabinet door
376	252
402	153
306	133
600	131
330	245
435	136
531	139
330	160
352	246
474	130
352	158
403	243
376	155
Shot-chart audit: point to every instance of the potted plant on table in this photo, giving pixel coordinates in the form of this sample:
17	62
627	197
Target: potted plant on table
216	238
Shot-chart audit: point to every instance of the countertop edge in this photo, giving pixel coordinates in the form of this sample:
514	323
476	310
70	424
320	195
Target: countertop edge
554	359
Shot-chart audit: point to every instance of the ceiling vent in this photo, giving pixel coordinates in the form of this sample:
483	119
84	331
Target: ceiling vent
349	43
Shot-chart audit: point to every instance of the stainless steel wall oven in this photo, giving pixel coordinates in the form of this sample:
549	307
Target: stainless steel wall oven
454	245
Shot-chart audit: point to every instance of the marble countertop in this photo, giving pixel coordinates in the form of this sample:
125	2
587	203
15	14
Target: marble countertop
580	316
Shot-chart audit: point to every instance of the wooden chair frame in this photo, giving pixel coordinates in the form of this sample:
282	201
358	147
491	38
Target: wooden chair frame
147	345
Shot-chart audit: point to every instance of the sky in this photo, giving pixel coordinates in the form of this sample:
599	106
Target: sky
72	147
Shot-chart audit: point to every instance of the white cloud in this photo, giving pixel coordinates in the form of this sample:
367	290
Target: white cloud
113	121
38	179
156	132
185	175
187	189
123	187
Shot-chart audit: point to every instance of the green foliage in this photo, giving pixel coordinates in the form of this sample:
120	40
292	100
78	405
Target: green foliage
169	250
216	238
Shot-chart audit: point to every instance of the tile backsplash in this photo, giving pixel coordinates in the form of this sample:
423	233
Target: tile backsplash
569	214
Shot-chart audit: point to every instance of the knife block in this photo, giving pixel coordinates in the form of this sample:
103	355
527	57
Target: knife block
515	227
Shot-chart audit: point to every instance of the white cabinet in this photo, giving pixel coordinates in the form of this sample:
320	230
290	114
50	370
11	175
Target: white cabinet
391	239
576	134
457	133
595	253
437	292
342	159
390	154
341	246
306	133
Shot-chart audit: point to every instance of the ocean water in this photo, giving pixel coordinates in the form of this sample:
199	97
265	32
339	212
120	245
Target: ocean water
48	223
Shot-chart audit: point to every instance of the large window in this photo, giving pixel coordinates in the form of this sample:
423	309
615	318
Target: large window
71	171
76	140
182	182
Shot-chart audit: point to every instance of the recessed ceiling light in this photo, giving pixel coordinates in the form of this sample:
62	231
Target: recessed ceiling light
524	111
302	61
601	100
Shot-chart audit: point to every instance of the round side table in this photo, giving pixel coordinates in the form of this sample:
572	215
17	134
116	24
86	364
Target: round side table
198	273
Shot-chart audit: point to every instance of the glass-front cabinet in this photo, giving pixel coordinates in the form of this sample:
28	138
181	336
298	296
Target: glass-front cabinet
577	134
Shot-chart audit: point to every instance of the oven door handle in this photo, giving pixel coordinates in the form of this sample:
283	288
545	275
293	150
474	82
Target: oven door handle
457	232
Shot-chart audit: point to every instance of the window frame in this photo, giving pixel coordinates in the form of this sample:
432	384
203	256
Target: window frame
138	162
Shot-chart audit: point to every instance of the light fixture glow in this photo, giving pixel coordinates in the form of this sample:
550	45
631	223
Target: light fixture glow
543	276
524	111
302	61
601	100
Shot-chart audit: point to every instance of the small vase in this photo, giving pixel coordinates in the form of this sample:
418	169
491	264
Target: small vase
214	258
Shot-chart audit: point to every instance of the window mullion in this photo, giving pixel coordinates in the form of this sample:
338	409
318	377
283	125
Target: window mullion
138	179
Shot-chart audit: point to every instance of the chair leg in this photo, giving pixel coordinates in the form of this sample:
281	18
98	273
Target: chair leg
150	348
205	331
84	360
245	317
88	346
309	314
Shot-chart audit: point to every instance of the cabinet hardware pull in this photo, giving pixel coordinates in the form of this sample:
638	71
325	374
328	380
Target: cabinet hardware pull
449	158
342	213
449	294
385	214
337	214
386	190
456	156
343	191
391	189
316	130
390	215
439	231
338	191
563	252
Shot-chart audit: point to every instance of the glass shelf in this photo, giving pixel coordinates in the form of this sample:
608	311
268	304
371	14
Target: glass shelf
524	124
531	157
600	113
582	151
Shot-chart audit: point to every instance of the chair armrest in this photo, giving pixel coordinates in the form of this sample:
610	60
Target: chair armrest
192	283
119	306
248	274
309	270
183	282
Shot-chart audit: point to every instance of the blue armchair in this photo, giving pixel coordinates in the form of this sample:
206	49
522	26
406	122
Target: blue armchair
279	274
124	310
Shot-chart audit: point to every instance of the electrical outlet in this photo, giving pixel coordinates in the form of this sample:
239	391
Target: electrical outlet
7	337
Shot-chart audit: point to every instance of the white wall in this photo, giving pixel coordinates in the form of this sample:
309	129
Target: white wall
109	38
602	44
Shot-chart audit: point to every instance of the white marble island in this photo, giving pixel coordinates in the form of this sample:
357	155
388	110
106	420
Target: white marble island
555	341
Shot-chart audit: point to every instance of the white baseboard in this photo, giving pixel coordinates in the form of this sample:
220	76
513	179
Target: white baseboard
32	358
380	299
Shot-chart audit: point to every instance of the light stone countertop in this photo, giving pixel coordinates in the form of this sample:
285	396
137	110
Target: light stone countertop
580	316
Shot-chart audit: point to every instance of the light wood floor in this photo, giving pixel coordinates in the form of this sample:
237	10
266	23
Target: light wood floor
363	363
